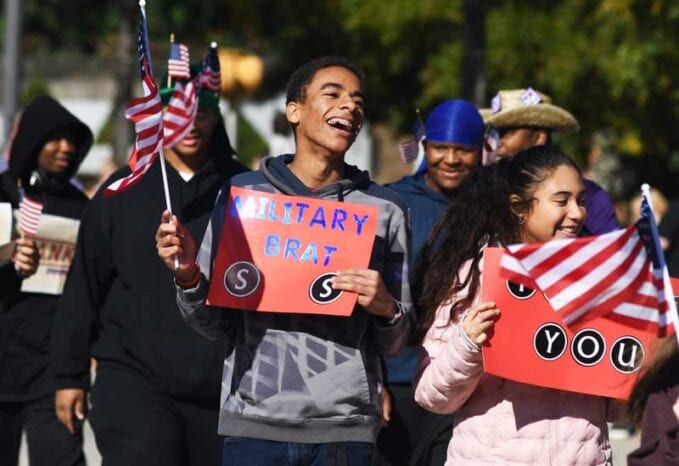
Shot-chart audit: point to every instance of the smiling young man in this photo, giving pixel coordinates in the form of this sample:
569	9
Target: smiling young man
156	396
453	135
286	413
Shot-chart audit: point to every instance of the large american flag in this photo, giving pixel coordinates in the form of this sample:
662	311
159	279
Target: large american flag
180	113
147	114
621	275
210	74
30	211
178	63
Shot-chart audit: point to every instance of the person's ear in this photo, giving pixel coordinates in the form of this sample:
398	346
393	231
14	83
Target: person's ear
292	112
541	137
515	199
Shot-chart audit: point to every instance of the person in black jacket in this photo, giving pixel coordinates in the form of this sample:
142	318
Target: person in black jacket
654	407
155	399
49	145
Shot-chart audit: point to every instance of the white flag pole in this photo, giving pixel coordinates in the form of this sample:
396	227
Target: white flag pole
163	169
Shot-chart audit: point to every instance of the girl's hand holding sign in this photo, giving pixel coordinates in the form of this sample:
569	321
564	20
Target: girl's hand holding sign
479	321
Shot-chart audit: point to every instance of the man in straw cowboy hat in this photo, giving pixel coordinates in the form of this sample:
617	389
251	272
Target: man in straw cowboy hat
522	118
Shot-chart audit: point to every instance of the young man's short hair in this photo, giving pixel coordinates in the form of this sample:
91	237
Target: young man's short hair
300	79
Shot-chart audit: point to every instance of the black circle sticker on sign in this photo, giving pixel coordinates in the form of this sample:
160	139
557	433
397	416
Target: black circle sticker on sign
627	354
550	341
242	279
321	290
519	291
588	347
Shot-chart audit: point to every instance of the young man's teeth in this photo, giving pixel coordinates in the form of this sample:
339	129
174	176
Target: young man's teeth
344	124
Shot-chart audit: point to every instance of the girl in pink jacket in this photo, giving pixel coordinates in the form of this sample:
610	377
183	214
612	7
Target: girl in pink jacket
537	195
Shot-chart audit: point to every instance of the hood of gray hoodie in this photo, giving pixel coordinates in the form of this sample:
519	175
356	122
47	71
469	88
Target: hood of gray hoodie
276	171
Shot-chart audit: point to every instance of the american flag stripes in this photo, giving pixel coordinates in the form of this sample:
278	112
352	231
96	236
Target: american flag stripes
178	63
210	74
180	113
619	275
410	148
30	211
147	114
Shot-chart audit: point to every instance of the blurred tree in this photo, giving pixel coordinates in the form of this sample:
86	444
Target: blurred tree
613	63
474	46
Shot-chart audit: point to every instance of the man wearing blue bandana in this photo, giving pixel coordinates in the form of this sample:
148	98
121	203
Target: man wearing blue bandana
453	137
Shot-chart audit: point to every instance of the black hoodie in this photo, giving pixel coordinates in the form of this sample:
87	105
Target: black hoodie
118	304
26	318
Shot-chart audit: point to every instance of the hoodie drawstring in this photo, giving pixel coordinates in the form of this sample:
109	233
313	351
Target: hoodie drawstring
340	194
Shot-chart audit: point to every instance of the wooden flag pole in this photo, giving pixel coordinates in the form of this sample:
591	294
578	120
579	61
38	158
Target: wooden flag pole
169	78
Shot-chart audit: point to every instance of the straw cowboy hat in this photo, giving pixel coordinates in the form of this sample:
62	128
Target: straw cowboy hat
527	108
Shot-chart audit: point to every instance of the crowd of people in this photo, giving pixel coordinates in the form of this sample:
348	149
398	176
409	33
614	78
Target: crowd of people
182	381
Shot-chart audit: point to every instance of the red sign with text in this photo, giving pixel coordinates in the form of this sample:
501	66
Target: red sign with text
531	344
278	253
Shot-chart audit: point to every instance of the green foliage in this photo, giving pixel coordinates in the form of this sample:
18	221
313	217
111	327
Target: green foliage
612	63
250	144
105	135
34	88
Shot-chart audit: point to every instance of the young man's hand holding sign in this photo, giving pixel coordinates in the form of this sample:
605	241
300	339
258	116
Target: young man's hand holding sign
303	269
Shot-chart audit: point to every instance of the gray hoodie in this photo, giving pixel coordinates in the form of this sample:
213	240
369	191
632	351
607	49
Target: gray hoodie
307	378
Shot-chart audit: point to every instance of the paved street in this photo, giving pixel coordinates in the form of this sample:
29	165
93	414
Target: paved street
622	447
620	450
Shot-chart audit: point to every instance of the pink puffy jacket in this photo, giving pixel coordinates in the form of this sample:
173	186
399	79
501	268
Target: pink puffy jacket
503	422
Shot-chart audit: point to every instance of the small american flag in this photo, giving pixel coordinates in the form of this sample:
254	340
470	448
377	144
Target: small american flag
147	114
410	148
30	211
210	74
178	63
180	113
620	275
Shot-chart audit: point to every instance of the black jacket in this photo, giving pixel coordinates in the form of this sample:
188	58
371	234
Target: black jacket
659	431
26	318
119	305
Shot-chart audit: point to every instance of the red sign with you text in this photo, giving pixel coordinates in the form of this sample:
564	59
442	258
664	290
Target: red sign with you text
531	344
278	253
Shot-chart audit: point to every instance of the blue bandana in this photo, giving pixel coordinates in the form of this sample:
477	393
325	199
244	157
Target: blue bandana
455	121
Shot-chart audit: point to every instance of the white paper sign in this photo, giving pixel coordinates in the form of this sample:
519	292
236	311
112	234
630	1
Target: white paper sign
6	244
56	239
5	223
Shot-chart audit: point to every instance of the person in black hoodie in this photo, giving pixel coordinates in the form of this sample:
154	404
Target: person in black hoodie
452	145
155	399
49	145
